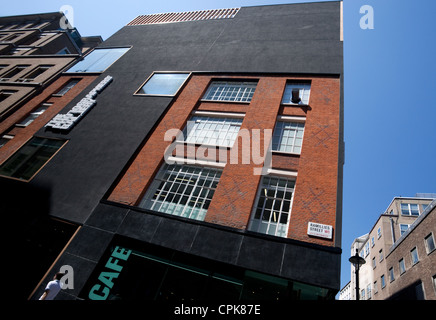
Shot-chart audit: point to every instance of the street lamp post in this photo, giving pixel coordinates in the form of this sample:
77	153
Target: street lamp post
357	261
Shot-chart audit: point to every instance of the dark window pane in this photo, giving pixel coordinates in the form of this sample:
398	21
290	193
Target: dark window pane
30	158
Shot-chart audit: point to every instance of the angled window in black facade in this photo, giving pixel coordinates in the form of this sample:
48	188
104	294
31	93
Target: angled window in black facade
30	158
166	84
98	60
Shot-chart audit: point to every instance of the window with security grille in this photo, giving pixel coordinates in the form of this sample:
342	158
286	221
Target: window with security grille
296	93
288	137
230	91
182	190
212	130
273	207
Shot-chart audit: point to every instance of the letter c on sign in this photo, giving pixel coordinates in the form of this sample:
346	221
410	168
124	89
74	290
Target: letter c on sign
93	295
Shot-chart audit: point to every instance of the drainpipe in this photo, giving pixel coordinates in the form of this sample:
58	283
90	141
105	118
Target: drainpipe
392	230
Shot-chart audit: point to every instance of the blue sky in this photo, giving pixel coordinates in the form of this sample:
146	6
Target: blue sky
390	84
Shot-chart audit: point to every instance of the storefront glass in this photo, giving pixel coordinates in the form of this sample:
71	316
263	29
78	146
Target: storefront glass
150	273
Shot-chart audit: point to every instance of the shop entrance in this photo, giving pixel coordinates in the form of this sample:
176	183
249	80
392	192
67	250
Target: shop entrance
130	270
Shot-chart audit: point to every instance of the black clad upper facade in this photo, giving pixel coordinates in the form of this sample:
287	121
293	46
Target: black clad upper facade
294	38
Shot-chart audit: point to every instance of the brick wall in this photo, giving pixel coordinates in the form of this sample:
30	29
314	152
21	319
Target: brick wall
422	271
316	185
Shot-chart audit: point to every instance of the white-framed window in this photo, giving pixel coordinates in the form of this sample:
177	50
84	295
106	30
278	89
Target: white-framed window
402	266
404	228
5	139
414	255
182	190
163	83
375	287
11	37
98	60
429	243
379	234
367	249
391	274
70	84
380	254
63	51
372	242
383	281
373	263
434	283
33	115
44	38
288	135
296	93
368	291
4	94
35	73
3	66
409	209
273	206
230	91
14	71
19	51
212	129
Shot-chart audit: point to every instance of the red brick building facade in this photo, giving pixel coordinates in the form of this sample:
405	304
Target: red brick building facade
315	168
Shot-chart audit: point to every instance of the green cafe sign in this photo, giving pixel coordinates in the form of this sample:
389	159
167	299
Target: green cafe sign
111	271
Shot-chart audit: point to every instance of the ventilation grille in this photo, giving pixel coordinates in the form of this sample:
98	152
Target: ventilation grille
184	16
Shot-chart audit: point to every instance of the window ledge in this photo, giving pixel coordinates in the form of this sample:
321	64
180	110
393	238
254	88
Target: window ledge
303	105
195	144
284	153
226	101
83	73
154	95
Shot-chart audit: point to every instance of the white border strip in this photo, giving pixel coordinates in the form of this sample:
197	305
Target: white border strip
218	114
291	118
284	173
197	162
